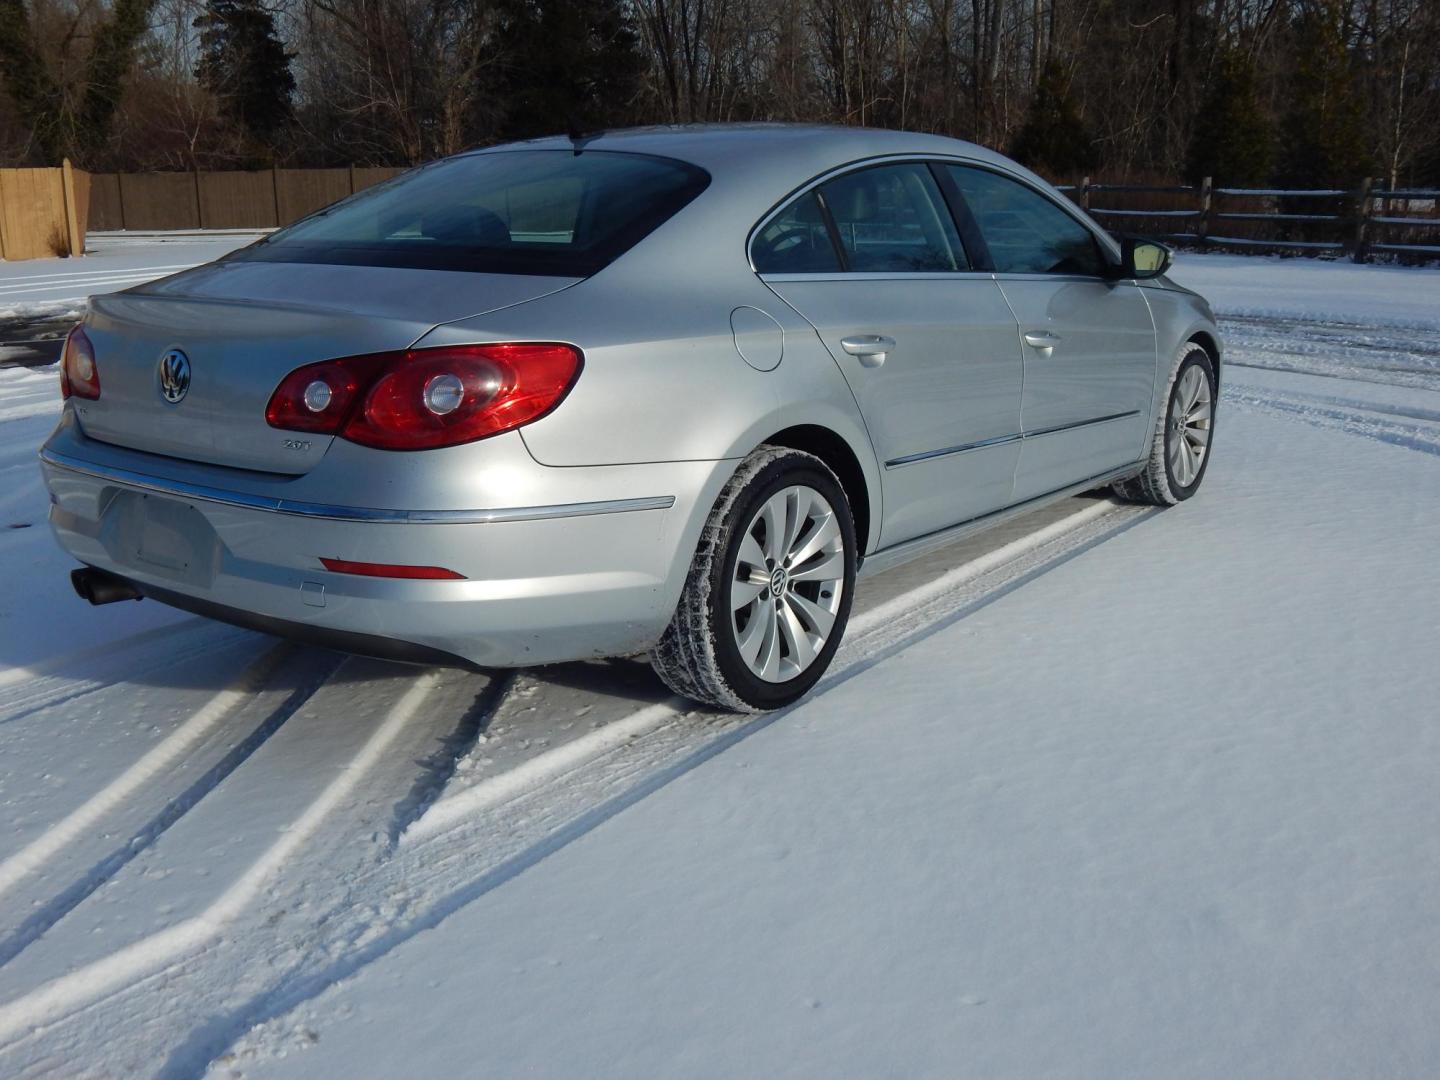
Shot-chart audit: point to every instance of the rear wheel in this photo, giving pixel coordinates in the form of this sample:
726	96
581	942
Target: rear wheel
769	590
1180	446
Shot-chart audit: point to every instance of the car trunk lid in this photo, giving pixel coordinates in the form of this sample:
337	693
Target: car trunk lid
242	327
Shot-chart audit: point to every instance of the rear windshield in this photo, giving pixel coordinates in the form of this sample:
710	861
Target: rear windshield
514	212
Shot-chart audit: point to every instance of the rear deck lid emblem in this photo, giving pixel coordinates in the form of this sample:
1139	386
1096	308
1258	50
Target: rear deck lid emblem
174	376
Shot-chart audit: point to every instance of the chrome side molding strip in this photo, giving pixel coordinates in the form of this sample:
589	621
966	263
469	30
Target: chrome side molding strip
274	505
1082	423
910	459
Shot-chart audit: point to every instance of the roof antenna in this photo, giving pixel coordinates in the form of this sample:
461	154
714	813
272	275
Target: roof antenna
578	135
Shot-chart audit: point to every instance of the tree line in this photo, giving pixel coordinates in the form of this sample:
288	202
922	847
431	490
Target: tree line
1301	93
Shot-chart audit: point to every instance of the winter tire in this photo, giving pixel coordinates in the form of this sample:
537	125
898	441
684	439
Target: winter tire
1180	447
769	591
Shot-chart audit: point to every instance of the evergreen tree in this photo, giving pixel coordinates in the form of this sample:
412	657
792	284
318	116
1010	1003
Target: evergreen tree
1234	139
245	65
1323	135
564	64
1053	138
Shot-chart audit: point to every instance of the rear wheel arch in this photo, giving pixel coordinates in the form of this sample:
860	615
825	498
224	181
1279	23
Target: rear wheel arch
836	453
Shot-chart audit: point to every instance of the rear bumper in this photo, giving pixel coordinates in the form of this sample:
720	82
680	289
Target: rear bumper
556	578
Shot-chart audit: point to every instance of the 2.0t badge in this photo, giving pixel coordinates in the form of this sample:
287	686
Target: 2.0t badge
174	375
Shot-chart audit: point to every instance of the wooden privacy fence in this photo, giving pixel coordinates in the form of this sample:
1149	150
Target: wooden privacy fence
43	212
1372	218
262	199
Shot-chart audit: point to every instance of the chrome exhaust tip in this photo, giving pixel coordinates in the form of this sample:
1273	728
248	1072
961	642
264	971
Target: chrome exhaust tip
100	587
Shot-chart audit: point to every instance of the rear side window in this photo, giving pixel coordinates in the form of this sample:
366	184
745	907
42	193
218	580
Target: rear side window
516	212
1025	232
797	241
893	218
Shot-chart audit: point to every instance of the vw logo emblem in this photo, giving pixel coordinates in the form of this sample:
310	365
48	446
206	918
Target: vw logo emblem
778	580
174	376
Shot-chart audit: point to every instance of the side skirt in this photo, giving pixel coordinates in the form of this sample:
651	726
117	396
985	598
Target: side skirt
891	557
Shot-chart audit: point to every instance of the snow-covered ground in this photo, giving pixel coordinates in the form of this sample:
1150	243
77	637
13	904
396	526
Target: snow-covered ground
1111	792
41	298
113	261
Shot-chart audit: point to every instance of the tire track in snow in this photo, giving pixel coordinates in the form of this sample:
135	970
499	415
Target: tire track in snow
26	690
439	767
529	815
1378	423
1403	412
84	986
563	759
885	631
1395	355
154	764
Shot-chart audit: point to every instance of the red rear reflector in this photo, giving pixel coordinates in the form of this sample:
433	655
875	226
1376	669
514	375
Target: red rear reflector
391	570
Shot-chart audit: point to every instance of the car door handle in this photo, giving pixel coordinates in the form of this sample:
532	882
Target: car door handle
872	349
1042	341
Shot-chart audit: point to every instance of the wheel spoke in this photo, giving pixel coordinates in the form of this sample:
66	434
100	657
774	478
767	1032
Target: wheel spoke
830	568
750	640
769	658
1191	386
818	619
797	638
773	514
798	505
751	555
745	590
820	536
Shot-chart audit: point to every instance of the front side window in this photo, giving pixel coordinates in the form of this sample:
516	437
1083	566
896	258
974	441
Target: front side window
1025	232
515	212
893	218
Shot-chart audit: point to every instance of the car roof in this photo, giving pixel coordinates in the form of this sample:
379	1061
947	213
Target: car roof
774	156
754	169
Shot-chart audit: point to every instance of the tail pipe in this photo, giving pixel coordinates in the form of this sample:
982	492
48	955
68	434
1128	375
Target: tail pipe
100	587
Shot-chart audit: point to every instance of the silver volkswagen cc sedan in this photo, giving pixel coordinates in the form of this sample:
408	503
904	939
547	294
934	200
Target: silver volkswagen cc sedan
658	390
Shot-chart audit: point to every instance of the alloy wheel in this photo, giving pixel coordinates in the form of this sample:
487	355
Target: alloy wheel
787	585
1191	411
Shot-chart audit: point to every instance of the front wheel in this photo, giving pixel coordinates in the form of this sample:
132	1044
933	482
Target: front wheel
1180	446
769	590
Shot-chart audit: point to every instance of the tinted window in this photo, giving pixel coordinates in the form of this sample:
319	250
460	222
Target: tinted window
520	212
893	218
1026	232
796	242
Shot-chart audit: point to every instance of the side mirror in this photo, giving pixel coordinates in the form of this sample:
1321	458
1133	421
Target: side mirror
1143	259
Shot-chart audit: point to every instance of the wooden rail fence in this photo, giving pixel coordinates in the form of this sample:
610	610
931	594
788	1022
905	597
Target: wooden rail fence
263	199
48	211
43	212
1403	223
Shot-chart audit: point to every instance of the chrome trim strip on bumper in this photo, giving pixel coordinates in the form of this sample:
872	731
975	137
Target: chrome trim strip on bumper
274	505
1001	440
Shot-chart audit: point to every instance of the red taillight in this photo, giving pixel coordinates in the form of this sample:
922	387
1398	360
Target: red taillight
319	397
78	373
391	570
426	398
